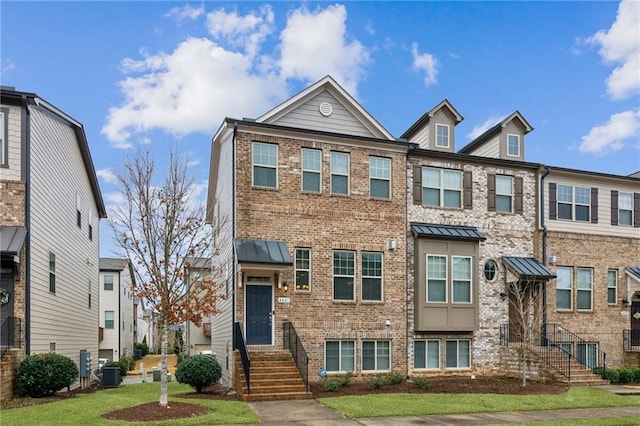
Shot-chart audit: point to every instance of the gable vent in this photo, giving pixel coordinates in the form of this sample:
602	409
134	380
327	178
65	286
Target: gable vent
326	109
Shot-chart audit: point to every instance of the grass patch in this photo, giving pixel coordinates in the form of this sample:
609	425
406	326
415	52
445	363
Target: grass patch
86	409
383	405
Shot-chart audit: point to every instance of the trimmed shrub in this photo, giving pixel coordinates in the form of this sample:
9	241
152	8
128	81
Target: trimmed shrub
334	383
376	382
199	371
422	382
626	375
45	374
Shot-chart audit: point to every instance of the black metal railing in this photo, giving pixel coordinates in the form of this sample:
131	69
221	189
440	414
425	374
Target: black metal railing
292	342
631	340
556	346
10	332
241	346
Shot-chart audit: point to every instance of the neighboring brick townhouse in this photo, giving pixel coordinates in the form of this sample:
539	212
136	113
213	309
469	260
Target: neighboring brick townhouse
387	254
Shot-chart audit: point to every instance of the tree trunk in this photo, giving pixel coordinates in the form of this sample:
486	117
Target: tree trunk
164	391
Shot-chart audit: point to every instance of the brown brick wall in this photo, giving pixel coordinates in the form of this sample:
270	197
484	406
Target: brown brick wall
604	324
323	223
12	205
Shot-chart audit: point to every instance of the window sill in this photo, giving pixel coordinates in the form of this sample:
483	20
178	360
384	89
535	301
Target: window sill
339	195
373	302
311	192
264	188
344	302
379	199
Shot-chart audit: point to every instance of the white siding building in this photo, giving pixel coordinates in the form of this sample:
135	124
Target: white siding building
116	309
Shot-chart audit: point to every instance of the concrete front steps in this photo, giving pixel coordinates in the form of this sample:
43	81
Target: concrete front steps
580	374
273	376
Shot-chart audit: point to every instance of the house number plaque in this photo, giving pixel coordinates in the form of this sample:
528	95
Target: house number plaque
284	300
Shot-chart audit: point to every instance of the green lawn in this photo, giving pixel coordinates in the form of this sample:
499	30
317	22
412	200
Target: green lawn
384	405
86	409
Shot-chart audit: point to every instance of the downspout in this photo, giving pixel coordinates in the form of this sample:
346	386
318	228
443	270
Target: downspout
544	249
233	233
26	177
119	315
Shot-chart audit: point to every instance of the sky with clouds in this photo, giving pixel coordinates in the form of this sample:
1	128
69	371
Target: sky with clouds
169	72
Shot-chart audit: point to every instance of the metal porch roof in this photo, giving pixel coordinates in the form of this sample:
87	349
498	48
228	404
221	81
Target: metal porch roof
449	232
528	267
262	251
11	239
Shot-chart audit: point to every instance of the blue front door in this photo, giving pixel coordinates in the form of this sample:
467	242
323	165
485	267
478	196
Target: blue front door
259	315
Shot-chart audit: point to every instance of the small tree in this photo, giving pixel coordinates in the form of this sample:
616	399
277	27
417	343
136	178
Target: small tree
198	371
159	228
525	300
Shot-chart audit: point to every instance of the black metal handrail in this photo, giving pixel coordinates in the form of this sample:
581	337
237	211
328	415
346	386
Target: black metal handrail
577	347
10	332
241	346
631	340
292	342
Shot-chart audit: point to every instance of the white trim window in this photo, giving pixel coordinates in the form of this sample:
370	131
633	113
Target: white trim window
311	170
587	354
340	173
379	177
303	269
513	145
436	279
625	208
339	355
458	354
426	354
90	225
109	322
376	355
4	149
461	279
441	187
265	165
442	136
107	281
78	211
574	203
343	275
371	276
504	194
564	288
52	272
612	286
584	290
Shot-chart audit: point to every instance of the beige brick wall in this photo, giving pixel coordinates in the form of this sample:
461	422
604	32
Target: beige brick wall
605	322
323	223
12	195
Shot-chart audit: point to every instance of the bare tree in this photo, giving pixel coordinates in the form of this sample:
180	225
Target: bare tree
525	299
159	228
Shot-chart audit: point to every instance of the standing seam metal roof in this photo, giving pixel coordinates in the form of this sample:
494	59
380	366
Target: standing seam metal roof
262	251
633	270
528	267
455	232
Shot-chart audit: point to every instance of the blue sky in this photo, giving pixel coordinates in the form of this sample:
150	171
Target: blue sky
169	72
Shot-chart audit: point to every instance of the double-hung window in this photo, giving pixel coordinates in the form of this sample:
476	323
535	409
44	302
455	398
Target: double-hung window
426	354
461	271
90	225
441	187
585	289
458	354
340	173
574	203
564	292
612	286
339	355
343	275
303	269
52	272
504	194
625	208
513	145
108	282
371	276
436	279
376	355
108	320
442	136
311	170
4	149
379	177
265	165
78	210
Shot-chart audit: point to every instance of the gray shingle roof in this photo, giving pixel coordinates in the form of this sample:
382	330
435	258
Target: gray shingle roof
528	267
448	232
633	270
111	264
11	239
262	251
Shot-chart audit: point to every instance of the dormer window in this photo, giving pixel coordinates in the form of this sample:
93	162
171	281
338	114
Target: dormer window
513	145
442	136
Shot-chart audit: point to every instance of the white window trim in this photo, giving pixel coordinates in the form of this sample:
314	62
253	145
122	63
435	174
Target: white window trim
518	145
441	188
458	354
375	359
470	280
426	354
620	209
333	283
511	195
296	269
574	203
355	354
371	178
319	172
4	143
570	290
590	290
381	277
331	173
448	136
446	279
254	165
52	272
614	287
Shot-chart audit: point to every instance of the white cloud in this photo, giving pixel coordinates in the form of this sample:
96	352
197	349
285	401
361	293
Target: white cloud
612	135
483	127
7	65
314	44
185	12
107	175
248	31
425	62
620	44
